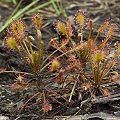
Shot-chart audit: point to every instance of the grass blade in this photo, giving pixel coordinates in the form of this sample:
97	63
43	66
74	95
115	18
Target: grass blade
18	14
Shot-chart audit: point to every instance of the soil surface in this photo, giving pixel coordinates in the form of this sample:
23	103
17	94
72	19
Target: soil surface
11	100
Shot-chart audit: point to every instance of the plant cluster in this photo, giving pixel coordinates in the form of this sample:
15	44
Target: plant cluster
82	65
86	56
18	40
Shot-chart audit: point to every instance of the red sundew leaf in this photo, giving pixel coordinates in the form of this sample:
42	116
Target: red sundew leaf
90	23
98	57
106	23
46	107
106	92
11	42
86	87
80	18
15	86
55	64
61	27
60	79
118	51
37	21
18	28
69	29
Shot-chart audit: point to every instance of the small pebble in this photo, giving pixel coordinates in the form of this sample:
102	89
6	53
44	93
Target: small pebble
117	113
19	104
4	118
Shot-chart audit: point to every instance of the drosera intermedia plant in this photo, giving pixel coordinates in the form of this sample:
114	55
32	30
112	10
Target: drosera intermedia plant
17	39
87	67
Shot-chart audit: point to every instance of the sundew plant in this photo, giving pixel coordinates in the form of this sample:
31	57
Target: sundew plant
88	64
